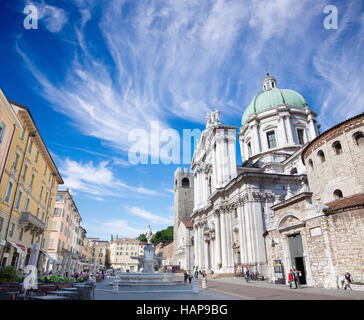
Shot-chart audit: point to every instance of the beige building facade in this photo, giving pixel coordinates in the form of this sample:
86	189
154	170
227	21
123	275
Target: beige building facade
121	251
27	193
99	252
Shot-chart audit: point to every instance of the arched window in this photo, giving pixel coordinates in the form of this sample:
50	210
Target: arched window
359	138
310	162
185	183
338	194
321	155
337	147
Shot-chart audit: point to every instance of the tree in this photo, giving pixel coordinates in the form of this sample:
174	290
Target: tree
142	237
111	238
162	235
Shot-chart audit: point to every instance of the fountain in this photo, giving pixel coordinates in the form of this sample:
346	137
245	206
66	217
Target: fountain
149	280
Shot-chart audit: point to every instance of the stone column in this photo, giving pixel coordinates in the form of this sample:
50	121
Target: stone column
289	130
217	240
229	239
195	191
232	157
312	127
282	129
255	144
214	169
242	232
206	247
195	244
212	253
218	161
248	229
223	240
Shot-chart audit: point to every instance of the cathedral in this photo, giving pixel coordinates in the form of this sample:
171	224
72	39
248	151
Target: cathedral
228	215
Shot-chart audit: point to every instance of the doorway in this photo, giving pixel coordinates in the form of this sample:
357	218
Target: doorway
297	258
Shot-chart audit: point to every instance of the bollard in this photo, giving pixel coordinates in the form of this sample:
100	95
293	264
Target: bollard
204	283
195	286
116	286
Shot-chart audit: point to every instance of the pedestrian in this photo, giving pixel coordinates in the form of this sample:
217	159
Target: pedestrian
196	273
189	278
347	280
297	275
247	275
185	275
290	278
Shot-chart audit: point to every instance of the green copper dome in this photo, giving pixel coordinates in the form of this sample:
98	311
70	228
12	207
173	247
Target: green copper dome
271	98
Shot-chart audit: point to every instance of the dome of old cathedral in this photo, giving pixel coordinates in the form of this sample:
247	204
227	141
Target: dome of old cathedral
272	97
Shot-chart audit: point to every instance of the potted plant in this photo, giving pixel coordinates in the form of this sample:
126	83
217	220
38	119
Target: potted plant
220	265
8	274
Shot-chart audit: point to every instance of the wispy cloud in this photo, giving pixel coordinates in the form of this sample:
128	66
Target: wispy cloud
150	217
98	180
180	59
53	18
104	229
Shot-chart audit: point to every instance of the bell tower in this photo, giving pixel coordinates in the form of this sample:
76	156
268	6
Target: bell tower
183	197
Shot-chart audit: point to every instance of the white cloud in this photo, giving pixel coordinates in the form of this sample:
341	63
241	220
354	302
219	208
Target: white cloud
104	229
97	180
52	17
152	218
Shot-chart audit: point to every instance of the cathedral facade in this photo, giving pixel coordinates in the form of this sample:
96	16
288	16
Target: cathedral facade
231	207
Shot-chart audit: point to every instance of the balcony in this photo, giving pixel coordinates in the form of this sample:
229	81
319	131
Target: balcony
31	223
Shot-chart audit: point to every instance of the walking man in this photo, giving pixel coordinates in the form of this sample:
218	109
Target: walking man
297	275
347	280
196	273
185	276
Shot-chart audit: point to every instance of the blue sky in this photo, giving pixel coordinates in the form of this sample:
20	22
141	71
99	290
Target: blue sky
95	70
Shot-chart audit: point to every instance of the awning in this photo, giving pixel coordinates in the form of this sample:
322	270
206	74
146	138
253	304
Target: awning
18	249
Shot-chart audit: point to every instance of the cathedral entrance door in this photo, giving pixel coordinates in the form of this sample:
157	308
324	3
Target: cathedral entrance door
297	259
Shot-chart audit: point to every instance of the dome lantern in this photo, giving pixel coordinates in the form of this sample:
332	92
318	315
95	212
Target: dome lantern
269	82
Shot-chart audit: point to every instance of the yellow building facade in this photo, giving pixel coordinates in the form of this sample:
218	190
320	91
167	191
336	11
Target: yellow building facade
28	192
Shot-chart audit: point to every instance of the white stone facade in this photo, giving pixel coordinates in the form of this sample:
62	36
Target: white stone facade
232	203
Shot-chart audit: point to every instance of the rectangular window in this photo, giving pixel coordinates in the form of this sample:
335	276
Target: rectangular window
57	212
11	231
36	157
43	214
30	146
42	246
22	134
271	137
8	192
21	234
18	200
54	225
25	171
37	215
61	230
15	160
33	238
51	243
300	136
45	170
32	179
1	224
59	197
2	131
41	192
27	205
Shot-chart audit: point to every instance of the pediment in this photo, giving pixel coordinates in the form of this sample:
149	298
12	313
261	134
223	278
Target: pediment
288	221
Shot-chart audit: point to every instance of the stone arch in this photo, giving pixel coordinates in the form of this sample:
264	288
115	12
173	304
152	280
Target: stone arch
288	218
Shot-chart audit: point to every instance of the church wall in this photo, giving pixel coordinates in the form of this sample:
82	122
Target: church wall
332	245
342	171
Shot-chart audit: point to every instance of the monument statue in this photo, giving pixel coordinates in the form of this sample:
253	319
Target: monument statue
148	235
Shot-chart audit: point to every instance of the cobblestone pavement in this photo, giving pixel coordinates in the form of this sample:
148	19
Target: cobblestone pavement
230	288
262	290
